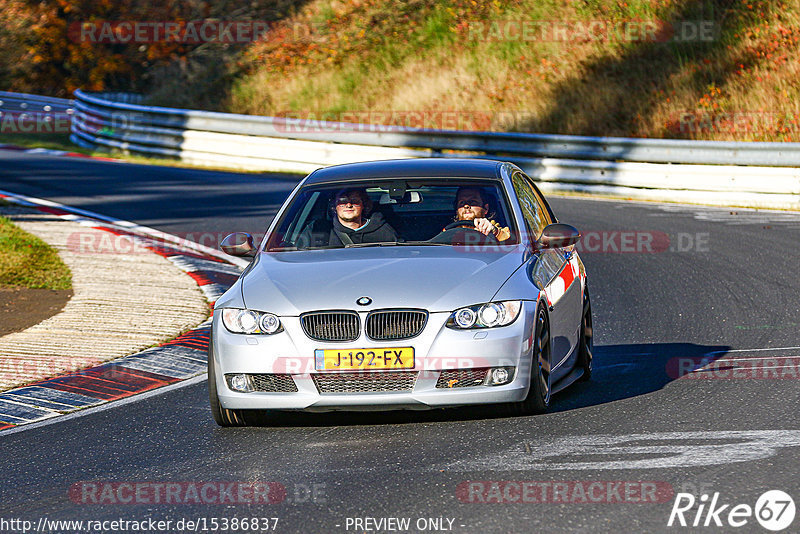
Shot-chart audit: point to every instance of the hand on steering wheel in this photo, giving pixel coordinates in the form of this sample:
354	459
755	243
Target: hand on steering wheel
449	232
482	225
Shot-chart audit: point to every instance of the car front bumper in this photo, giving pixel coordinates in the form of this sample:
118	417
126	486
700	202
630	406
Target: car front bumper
436	349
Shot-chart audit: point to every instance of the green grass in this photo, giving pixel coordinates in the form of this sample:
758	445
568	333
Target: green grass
423	55
27	261
51	141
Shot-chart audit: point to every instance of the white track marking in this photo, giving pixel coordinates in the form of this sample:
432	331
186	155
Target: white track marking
33	201
752	350
662	450
106	405
764	358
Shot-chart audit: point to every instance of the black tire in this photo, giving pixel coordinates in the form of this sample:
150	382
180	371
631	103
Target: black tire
538	398
222	416
586	342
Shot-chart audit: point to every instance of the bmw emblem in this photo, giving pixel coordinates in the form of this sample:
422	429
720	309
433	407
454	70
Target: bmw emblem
364	301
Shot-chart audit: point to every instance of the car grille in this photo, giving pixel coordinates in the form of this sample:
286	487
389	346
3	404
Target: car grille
461	378
365	382
331	326
395	324
273	383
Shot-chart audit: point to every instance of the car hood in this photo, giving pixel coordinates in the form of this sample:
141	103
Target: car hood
432	278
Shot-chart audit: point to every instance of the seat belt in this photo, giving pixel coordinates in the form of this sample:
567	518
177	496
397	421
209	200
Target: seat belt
343	237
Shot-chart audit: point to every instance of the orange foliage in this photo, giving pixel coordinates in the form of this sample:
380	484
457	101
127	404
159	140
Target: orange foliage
45	54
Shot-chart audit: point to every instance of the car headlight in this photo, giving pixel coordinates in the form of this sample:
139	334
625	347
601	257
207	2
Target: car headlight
250	321
486	315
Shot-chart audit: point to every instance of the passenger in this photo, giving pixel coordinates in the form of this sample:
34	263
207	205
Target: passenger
349	209
351	225
470	205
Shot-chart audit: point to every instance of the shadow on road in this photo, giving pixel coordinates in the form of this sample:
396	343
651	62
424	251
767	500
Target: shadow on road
621	372
625	371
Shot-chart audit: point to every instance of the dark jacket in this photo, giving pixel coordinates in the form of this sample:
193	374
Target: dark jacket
322	233
377	230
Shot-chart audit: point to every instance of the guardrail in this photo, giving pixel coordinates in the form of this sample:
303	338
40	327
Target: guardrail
25	113
724	173
33	103
522	144
286	144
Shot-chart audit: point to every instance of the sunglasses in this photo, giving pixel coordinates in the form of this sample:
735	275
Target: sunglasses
473	201
349	200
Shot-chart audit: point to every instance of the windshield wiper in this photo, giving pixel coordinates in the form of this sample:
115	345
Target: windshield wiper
376	244
426	243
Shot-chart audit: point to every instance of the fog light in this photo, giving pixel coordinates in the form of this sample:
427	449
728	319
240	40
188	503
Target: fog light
239	382
499	376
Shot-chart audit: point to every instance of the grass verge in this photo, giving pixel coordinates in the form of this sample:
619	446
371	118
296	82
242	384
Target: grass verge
27	261
44	140
648	73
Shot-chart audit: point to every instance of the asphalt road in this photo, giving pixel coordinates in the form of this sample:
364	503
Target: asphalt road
724	287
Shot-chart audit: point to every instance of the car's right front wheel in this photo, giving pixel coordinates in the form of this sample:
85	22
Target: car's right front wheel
222	416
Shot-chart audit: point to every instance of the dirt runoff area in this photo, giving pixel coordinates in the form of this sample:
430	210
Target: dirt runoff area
22	307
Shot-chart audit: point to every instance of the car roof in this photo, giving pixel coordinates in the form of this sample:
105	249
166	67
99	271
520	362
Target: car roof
408	168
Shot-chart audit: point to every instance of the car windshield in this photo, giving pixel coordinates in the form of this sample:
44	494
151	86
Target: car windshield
395	212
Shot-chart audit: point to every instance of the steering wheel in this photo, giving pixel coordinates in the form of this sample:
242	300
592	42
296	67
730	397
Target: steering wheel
452	230
468	224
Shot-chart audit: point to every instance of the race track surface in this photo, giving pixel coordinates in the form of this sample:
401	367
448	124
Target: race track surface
719	284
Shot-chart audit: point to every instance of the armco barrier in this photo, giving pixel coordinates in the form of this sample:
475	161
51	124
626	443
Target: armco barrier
22	102
25	113
723	173
521	144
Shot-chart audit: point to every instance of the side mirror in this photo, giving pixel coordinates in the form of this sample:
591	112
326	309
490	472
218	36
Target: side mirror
558	235
238	244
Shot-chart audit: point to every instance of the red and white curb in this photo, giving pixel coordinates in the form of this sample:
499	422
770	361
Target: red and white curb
180	359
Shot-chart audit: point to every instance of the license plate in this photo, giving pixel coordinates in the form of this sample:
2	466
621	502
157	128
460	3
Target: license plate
363	359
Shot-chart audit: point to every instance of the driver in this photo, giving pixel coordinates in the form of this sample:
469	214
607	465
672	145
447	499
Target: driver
470	205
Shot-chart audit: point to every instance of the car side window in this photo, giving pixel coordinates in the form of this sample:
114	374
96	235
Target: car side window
547	214
535	214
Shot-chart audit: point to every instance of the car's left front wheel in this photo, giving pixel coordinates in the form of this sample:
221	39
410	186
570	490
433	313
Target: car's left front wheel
538	398
586	346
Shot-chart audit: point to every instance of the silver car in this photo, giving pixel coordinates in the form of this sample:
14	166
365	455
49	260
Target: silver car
381	285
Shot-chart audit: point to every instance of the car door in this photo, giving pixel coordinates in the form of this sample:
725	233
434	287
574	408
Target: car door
554	271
